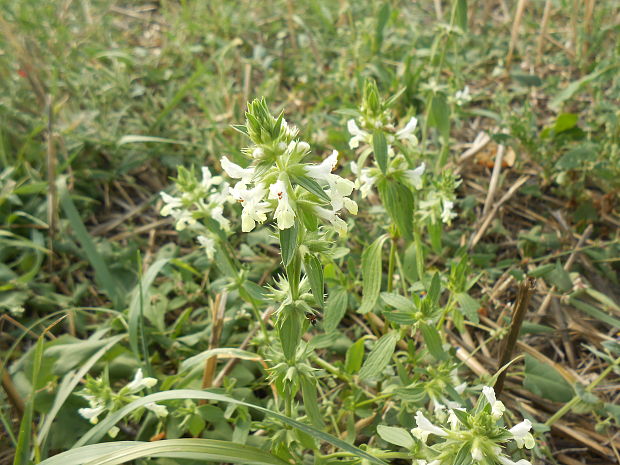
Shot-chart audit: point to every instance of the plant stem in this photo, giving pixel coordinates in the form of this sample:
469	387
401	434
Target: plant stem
390	281
523	301
575	400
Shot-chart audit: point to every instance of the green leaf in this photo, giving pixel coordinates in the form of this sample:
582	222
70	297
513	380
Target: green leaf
560	278
200	450
311	186
433	342
565	121
371	274
397	301
132	139
576	86
434	290
380	149
136	307
98	431
335	308
289	331
314	270
379	356
578	157
468	306
354	357
461	14
399	436
382	19
311	402
594	312
398	201
439	115
288	243
543	380
102	273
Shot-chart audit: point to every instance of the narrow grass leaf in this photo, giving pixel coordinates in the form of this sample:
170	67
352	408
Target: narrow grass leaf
102	273
311	402
99	430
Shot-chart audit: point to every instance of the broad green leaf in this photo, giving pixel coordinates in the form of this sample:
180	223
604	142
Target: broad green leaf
314	270
379	356
311	402
98	431
371	274
433	342
543	380
439	115
393	435
380	149
335	308
434	290
397	301
288	243
565	121
461	14
560	278
469	306
354	357
289	332
398	201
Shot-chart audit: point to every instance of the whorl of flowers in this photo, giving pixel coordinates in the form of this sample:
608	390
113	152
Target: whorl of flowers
479	433
278	184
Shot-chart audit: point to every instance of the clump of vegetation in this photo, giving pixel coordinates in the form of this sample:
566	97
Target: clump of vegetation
439	232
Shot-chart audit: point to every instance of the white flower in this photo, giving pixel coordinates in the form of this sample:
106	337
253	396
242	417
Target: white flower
254	208
236	172
522	435
339	188
506	461
358	134
208	244
139	382
284	213
425	428
406	133
159	410
258	152
497	407
170	204
339	225
113	432
91	414
208	180
367	182
446	213
453	419
462	96
414	177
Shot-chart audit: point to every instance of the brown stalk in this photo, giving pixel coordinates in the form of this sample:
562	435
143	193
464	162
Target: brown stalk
544	25
11	391
217	322
514	35
523	300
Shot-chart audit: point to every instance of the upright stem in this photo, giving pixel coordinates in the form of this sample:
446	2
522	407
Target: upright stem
390	282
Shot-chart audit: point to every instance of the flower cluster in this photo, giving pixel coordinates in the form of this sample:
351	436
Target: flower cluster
199	203
101	398
278	183
481	433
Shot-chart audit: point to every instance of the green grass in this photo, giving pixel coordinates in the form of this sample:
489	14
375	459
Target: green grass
137	88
